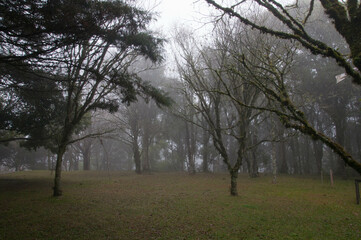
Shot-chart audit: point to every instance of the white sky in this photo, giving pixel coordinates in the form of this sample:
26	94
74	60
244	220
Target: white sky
171	14
177	13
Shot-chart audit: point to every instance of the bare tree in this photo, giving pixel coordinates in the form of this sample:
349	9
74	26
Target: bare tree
211	81
345	16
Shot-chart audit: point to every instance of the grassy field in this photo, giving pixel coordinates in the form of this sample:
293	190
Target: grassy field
118	205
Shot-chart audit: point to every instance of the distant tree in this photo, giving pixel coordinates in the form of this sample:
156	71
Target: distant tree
138	124
17	158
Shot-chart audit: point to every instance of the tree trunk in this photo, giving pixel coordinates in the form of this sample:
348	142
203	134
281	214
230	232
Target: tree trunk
137	160
57	188
50	164
190	142
146	161
234	177
181	156
318	151
306	162
205	151
340	138
145	147
254	166
246	159
274	163
86	159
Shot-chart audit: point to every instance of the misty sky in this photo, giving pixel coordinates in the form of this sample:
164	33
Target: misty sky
172	13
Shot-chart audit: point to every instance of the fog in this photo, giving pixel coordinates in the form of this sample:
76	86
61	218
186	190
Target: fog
240	101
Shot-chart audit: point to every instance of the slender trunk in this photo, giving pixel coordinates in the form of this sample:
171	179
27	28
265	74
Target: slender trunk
145	153
283	160
86	158
49	161
181	156
306	147
190	150
137	160
71	163
274	164
340	133
134	128
76	164
318	151
146	161
255	165
249	166
57	191
205	151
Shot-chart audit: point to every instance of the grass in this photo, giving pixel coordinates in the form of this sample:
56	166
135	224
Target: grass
98	205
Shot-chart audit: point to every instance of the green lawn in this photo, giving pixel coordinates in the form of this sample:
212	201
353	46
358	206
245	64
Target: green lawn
98	205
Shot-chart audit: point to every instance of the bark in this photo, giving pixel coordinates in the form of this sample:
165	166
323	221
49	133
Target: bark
282	161
282	157
145	153
57	191
86	159
137	160
306	156
274	163
234	177
146	160
190	145
50	165
134	127
181	156
205	151
252	165
248	161
340	139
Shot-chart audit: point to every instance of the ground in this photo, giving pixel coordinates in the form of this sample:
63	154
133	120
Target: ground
118	205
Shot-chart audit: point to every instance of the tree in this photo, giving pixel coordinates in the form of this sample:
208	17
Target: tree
87	73
214	86
17	158
32	29
274	86
346	17
98	67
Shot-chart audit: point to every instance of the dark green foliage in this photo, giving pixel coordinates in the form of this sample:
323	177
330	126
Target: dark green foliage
30	101
36	35
160	97
146	44
32	28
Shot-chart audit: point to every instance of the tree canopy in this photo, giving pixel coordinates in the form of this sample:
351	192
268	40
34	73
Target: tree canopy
346	17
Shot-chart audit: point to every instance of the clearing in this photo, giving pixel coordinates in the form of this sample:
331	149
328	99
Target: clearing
118	205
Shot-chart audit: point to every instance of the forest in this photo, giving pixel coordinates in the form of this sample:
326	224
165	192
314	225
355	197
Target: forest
273	89
244	125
